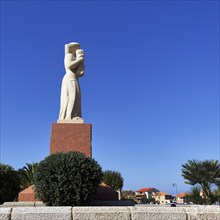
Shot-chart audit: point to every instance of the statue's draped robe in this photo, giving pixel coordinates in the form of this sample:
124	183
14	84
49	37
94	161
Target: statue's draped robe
70	105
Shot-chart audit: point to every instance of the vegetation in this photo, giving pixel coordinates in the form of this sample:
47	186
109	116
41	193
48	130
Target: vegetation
9	183
217	193
115	180
205	177
26	175
129	195
67	179
195	196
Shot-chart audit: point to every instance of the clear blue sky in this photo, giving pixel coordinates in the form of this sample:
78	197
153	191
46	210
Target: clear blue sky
151	88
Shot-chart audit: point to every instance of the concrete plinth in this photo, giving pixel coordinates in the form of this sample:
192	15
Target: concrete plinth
111	213
100	213
41	213
66	137
5	213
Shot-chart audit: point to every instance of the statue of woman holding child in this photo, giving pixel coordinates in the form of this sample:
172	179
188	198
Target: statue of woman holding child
70	103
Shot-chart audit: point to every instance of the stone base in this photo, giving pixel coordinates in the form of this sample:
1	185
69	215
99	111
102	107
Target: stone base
66	137
104	192
73	121
106	213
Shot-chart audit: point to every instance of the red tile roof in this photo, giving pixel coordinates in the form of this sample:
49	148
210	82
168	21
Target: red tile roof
181	195
162	193
146	189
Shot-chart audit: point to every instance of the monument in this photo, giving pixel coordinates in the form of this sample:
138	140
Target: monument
70	133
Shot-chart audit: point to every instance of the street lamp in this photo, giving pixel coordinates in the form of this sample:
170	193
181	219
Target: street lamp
175	185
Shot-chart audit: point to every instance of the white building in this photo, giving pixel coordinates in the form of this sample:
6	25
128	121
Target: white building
145	193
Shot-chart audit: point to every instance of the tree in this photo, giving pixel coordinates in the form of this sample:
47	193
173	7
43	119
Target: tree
26	174
115	180
9	183
195	196
217	193
129	195
204	175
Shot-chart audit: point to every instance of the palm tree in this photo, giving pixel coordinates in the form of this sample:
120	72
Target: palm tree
195	196
26	174
204	175
217	194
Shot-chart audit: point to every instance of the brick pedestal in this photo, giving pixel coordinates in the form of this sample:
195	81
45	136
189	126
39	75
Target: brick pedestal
71	137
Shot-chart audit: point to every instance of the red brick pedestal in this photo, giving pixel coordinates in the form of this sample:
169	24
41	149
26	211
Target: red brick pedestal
71	137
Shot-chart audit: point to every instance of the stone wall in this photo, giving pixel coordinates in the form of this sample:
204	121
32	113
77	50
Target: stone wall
111	213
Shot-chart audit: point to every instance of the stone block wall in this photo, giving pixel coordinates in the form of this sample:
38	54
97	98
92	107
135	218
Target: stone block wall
111	213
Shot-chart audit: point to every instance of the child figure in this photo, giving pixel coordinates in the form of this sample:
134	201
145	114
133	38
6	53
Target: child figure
81	68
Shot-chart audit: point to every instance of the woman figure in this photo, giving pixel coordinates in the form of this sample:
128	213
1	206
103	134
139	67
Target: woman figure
70	104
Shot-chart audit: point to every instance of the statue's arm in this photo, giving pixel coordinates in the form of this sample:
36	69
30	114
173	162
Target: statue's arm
80	70
71	64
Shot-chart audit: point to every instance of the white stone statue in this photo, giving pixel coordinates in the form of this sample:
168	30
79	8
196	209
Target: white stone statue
70	102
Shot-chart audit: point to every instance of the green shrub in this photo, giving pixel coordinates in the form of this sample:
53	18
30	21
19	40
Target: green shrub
9	183
67	179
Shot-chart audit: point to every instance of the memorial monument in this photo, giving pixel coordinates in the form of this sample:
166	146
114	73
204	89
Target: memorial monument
70	133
